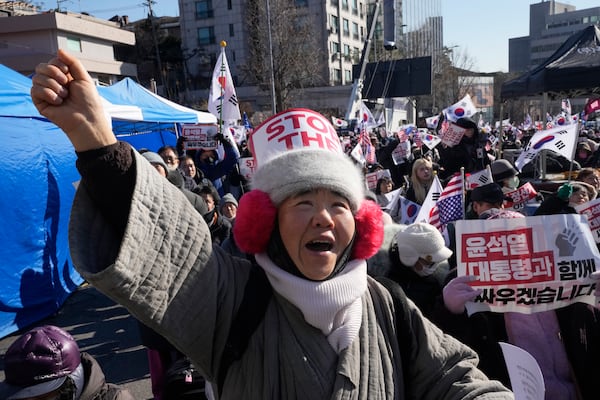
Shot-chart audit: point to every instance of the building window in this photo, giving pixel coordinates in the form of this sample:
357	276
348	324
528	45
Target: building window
74	44
229	6
334	23
206	35
345	5
345	27
231	30
204	9
348	75
354	30
336	76
355	7
301	3
335	47
346	50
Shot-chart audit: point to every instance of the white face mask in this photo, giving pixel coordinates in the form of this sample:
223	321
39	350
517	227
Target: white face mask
513	182
425	270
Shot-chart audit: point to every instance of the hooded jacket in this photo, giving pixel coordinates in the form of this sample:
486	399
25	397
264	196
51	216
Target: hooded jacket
96	387
164	269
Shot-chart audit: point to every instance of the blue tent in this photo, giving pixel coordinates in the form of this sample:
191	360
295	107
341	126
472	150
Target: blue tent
36	176
14	94
160	120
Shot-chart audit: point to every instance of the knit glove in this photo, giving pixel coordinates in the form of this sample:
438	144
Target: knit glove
457	292
565	191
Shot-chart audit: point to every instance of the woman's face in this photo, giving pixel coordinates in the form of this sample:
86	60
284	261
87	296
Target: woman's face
579	197
316	227
386	186
424	172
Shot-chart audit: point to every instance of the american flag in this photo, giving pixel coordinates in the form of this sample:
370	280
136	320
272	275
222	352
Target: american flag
449	206
367	148
565	105
417	139
402	136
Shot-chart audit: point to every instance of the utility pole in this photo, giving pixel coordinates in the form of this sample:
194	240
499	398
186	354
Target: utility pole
356	95
149	4
58	4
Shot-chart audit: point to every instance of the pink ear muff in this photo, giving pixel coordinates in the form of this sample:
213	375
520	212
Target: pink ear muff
369	230
254	222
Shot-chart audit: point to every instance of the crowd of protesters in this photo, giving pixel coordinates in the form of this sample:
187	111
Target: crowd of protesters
185	235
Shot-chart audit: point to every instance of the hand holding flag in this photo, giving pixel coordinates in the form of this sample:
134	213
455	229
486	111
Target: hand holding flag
463	108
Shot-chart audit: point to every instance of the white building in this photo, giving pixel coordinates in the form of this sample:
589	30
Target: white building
27	40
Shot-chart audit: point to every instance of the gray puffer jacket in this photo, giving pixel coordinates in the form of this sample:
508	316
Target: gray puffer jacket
166	272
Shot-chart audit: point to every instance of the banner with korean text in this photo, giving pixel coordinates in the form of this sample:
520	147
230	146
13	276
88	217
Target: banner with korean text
199	136
527	265
591	210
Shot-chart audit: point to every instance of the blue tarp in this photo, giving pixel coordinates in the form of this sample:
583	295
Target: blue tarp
37	176
14	94
37	179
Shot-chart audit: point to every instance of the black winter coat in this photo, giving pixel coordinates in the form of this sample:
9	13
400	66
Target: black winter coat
469	153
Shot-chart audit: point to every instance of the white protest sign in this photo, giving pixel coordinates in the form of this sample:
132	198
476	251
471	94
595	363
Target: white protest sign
246	165
401	152
199	136
372	177
526	377
591	210
293	129
452	135
527	265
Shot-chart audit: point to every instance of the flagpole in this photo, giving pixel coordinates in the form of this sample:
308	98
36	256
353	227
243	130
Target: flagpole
463	197
574	149
223	45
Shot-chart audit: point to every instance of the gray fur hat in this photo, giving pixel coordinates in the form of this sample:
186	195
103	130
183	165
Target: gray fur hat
302	170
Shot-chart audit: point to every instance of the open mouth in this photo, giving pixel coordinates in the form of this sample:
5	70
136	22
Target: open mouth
319	246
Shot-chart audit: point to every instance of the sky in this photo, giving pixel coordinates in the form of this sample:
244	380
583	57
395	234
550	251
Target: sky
480	28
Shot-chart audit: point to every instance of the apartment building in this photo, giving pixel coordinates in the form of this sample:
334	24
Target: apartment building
550	24
27	40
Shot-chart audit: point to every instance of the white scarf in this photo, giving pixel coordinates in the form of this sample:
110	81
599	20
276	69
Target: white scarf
333	306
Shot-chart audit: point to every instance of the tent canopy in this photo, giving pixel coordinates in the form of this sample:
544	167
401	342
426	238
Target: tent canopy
154	108
157	124
572	71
